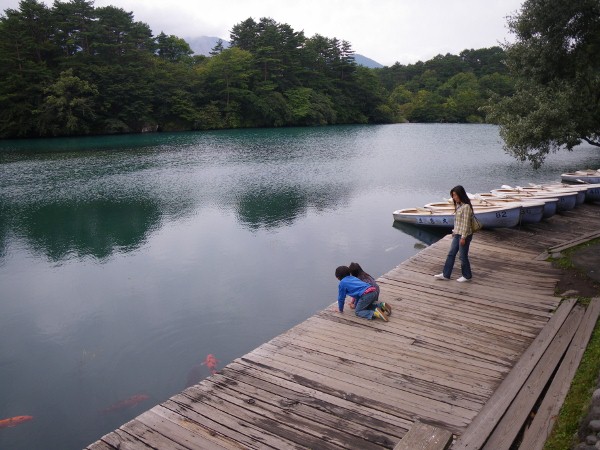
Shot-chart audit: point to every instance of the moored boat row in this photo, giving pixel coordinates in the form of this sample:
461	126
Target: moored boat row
589	176
506	206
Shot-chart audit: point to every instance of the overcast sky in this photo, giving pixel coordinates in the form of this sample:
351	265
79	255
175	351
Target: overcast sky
384	30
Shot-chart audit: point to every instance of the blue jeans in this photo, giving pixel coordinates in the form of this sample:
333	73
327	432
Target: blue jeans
366	304
463	254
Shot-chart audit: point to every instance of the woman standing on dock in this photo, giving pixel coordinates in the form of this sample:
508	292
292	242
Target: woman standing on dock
462	233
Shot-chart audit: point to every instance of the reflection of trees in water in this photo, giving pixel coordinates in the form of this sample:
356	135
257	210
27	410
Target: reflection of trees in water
3	230
273	207
95	227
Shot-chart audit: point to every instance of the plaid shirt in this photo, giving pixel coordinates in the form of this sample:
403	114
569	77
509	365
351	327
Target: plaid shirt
462	220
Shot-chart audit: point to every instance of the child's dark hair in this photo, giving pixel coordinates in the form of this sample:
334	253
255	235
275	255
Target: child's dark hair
462	194
342	272
355	269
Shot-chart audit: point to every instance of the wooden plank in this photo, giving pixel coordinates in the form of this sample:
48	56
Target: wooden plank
392	350
184	431
222	422
285	395
494	305
523	298
355	381
535	436
249	416
481	427
379	353
397	403
282	421
343	429
572	243
511	423
316	396
137	436
99	445
394	379
425	437
356	367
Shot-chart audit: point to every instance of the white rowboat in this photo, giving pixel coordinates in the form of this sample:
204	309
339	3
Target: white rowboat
582	176
493	217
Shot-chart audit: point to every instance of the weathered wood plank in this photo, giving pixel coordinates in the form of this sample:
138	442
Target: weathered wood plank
572	243
511	423
99	445
535	436
317	395
182	431
391	349
134	435
481	427
425	437
222	422
344	383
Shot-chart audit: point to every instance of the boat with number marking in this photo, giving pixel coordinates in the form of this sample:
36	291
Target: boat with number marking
550	203
532	211
490	217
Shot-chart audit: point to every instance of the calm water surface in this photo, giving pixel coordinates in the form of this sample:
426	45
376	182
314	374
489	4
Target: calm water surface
125	261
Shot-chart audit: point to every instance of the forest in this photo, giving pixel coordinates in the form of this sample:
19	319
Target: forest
76	69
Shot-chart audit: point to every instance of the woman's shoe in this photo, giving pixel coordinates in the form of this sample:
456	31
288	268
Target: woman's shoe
463	279
380	315
440	276
386	308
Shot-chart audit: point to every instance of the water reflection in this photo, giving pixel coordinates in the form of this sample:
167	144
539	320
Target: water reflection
95	228
425	235
271	207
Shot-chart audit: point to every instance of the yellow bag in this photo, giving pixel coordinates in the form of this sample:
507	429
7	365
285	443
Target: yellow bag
475	224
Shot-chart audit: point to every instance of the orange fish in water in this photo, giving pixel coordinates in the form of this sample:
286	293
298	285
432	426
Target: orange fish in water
13	421
211	362
127	403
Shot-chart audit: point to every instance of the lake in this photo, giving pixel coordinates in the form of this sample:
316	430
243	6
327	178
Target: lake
126	260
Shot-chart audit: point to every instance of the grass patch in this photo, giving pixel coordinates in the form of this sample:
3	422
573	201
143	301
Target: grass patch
577	402
565	261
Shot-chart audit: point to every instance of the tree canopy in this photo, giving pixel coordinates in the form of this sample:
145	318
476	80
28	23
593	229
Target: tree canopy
75	69
555	62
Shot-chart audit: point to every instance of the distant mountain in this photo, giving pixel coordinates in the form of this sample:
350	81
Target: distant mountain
202	45
367	62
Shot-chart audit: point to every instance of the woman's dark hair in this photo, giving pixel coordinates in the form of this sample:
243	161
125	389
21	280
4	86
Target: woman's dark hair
342	272
356	270
462	194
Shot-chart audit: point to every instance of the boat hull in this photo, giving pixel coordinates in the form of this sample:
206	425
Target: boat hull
591	177
566	200
489	218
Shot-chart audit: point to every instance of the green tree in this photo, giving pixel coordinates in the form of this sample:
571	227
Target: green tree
173	49
227	74
74	26
217	49
25	56
463	98
68	107
556	62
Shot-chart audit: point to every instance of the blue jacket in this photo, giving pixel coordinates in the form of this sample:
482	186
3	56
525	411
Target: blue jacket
351	286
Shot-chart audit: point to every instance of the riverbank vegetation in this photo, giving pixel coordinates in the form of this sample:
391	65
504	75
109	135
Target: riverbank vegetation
77	69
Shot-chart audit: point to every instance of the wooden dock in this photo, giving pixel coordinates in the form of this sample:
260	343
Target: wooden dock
452	354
